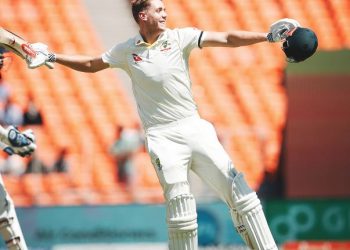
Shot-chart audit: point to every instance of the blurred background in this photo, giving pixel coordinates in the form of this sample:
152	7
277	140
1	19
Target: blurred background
90	184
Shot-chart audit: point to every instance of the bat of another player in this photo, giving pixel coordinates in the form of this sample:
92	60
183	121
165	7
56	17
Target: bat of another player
18	45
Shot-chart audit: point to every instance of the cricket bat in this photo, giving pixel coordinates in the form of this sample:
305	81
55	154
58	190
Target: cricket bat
18	45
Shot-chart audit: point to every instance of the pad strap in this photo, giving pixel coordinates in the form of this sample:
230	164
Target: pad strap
10	236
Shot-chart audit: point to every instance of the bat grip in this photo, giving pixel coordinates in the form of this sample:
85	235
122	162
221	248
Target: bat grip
49	65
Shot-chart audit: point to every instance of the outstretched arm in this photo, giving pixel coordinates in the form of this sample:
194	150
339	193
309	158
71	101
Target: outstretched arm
279	30
82	63
232	38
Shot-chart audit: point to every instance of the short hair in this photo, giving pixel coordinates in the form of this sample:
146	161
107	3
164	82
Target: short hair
137	6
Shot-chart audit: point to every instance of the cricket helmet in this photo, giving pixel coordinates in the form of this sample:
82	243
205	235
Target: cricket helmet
300	44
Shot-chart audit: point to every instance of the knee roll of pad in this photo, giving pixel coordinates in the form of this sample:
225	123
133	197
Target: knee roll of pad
182	223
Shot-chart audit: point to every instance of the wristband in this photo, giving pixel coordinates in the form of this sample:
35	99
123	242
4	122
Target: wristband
269	37
51	57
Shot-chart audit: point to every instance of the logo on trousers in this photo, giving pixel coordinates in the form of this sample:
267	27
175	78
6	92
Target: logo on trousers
159	166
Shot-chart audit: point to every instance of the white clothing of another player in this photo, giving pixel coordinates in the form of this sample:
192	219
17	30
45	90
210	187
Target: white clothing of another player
177	139
12	141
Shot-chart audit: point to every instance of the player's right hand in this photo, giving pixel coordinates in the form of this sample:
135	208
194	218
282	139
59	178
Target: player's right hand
15	142
279	30
42	56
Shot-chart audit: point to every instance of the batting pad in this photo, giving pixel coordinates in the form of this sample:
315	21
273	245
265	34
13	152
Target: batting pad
249	218
182	223
10	229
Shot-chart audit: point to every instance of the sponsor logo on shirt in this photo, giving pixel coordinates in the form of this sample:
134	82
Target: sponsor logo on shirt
136	57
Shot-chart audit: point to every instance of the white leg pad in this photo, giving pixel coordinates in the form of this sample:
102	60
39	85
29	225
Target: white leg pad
9	232
249	218
182	223
10	229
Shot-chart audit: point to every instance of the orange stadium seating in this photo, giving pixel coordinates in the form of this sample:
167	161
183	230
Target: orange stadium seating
239	90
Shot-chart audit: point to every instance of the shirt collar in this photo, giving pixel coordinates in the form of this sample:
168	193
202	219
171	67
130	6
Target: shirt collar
140	42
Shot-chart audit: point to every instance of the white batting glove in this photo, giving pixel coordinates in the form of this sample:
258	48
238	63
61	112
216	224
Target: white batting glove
279	30
12	141
43	57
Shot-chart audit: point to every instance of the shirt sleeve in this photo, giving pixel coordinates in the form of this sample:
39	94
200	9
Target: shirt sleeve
189	38
116	56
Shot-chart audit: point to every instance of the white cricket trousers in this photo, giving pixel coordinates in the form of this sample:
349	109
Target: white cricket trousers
192	144
189	144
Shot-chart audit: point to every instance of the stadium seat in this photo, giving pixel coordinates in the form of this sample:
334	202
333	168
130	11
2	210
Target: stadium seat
236	89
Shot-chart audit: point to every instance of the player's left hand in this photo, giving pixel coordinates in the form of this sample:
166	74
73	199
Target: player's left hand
15	142
279	30
41	58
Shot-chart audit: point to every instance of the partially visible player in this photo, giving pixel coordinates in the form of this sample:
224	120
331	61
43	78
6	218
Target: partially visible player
177	139
12	141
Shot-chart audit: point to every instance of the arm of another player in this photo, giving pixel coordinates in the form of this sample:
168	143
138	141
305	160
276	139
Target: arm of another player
13	141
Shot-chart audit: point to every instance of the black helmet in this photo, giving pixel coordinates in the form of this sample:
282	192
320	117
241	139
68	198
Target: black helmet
300	44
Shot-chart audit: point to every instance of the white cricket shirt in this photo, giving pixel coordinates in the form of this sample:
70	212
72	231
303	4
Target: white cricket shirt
160	75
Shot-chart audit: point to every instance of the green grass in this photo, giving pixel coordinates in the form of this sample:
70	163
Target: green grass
323	63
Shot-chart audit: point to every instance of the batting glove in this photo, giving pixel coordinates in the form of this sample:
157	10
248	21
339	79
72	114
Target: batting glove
12	141
279	30
43	57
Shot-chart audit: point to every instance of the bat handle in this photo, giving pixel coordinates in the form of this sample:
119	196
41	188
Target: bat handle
49	65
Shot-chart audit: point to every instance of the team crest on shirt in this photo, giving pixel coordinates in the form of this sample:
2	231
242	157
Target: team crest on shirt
165	46
136	57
